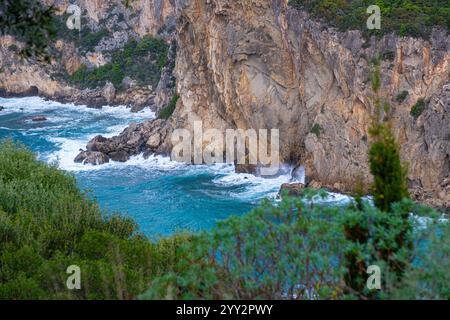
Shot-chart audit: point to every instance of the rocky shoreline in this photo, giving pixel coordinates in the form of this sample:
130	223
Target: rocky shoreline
149	137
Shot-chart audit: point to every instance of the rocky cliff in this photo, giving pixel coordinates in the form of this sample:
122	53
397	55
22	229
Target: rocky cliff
262	64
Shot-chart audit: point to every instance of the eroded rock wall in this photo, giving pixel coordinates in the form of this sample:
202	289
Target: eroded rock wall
261	64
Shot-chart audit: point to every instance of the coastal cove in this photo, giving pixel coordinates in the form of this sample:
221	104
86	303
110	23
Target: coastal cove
162	196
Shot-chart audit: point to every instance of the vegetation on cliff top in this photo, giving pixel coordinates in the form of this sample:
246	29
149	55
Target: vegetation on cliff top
405	17
141	61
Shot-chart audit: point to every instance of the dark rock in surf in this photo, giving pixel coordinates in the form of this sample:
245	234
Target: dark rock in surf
119	156
92	157
97	144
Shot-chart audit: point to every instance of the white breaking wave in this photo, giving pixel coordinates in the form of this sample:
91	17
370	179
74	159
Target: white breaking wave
254	185
40	105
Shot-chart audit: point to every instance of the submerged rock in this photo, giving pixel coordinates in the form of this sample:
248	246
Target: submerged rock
38	118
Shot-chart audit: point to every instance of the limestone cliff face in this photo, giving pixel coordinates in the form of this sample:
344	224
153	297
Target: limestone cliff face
22	77
261	64
144	16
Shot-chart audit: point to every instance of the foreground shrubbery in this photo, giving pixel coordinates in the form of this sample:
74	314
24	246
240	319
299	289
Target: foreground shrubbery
405	17
299	250
47	224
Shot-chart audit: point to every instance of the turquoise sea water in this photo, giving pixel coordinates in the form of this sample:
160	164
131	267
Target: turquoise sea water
160	195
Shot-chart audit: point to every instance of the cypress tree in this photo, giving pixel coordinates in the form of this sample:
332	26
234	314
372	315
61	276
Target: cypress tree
389	174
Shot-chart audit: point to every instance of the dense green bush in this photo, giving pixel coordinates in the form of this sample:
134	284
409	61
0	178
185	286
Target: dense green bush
385	165
405	17
418	108
47	224
317	129
168	110
290	251
142	61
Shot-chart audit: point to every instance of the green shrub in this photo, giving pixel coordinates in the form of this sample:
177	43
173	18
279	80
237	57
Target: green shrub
275	252
317	129
47	224
300	249
413	18
428	277
168	110
418	108
89	40
401	97
385	165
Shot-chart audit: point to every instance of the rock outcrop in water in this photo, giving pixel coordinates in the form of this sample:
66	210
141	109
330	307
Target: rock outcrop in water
150	137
